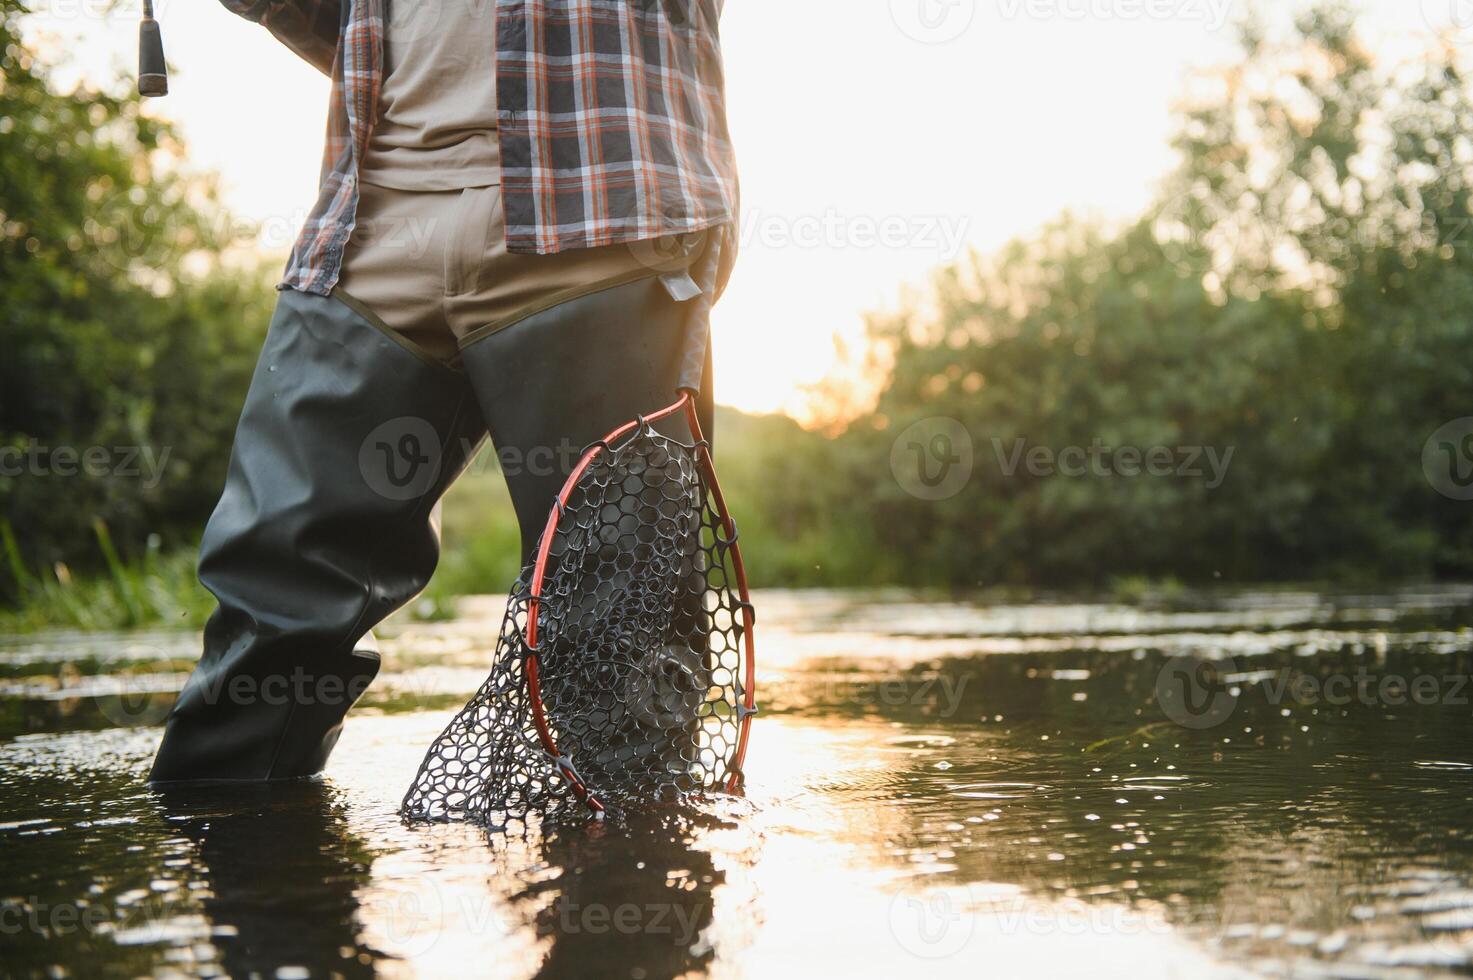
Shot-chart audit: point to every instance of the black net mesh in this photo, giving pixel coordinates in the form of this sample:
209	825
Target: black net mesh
639	652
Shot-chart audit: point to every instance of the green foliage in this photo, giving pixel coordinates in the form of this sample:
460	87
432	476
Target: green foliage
1298	297
791	493
153	589
123	372
482	539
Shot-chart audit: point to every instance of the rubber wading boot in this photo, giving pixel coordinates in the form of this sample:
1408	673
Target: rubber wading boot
555	382
327	523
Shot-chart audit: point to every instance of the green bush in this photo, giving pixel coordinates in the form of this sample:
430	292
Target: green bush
1298	297
128	340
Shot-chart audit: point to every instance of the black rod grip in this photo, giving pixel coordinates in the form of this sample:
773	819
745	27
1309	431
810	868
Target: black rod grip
153	76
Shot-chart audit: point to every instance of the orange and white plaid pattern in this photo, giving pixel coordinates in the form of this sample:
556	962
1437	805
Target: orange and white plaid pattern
611	118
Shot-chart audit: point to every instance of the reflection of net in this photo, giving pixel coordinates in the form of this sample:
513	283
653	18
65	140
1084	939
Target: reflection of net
639	655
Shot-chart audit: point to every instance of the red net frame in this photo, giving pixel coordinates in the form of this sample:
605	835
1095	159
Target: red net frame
735	777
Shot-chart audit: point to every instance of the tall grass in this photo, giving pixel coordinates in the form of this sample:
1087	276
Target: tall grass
155	589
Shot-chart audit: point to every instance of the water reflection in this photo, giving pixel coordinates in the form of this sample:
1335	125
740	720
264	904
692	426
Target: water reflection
1277	785
641	895
276	870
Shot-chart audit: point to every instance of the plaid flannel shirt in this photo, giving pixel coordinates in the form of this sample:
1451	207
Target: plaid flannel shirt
611	118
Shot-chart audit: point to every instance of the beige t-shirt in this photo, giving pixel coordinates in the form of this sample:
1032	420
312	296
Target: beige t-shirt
436	129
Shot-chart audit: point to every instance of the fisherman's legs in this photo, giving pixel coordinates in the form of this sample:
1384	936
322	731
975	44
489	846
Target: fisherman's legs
559	349
326	525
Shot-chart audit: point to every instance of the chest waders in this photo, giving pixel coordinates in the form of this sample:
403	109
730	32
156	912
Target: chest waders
327	521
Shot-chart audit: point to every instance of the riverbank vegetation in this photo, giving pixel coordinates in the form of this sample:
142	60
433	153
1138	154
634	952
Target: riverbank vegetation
1243	384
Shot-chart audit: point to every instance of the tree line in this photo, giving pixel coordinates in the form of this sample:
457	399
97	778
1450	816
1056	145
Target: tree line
1261	378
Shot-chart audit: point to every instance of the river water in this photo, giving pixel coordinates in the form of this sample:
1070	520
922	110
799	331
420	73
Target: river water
1248	783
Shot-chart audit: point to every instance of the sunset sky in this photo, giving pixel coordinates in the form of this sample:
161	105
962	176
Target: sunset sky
877	139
